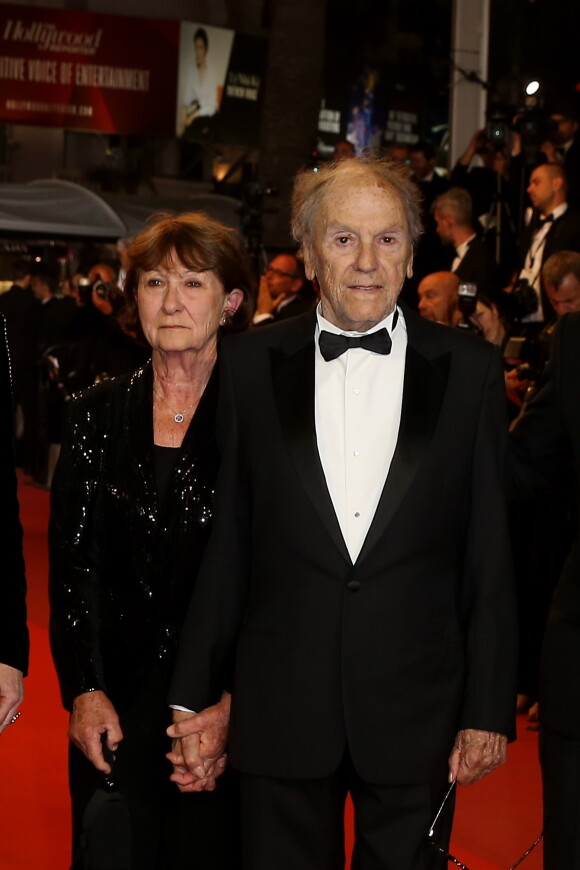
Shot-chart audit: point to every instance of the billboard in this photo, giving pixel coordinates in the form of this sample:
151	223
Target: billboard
220	84
88	71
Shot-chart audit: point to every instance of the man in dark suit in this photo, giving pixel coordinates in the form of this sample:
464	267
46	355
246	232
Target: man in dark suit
56	312
473	262
553	227
430	254
13	631
545	444
564	147
284	291
356	595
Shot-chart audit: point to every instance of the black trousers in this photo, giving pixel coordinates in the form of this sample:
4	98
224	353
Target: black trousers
167	829
560	761
291	824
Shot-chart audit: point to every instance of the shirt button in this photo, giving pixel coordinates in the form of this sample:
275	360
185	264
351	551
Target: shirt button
357	514
353	585
356	453
356	391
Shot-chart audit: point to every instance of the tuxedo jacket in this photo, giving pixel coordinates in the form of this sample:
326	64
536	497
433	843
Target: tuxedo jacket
56	318
572	167
301	302
544	444
478	267
388	656
13	631
563	235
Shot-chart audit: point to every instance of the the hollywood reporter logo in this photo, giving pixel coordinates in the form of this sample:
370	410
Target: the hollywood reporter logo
48	37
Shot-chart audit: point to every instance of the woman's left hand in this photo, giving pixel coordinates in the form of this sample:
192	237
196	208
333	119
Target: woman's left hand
92	716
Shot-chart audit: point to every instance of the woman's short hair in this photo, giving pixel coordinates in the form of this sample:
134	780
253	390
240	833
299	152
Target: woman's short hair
200	243
311	188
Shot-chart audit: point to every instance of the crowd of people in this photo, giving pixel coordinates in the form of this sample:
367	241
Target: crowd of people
280	519
64	335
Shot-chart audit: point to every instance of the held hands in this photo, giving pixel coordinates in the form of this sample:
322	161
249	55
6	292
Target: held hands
475	754
11	694
93	715
199	741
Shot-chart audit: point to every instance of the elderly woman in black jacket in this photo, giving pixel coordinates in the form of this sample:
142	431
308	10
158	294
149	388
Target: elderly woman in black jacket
130	515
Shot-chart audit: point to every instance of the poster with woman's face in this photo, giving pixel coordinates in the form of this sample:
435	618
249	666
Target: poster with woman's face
204	54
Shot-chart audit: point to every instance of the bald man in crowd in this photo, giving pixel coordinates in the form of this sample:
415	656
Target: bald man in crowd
439	298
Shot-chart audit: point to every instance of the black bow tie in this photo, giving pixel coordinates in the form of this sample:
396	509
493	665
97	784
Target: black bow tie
333	345
547	220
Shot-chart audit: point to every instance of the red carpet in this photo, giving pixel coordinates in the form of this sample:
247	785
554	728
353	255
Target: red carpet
496	820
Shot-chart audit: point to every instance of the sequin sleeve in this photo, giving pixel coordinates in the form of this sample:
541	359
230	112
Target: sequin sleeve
73	580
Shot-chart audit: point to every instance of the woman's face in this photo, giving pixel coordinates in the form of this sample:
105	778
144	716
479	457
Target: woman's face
180	309
488	319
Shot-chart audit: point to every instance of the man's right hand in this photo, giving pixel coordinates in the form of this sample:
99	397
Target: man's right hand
92	716
199	742
265	303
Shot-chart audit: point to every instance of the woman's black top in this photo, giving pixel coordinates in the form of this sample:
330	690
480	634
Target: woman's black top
123	561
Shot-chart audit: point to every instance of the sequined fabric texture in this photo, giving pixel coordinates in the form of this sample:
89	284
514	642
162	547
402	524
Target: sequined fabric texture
123	566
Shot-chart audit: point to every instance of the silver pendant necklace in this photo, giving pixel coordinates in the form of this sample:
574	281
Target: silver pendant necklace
178	416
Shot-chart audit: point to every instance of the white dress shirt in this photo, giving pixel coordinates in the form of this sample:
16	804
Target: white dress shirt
461	251
358	399
533	262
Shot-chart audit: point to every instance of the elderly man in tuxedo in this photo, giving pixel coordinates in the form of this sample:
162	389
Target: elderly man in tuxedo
355	598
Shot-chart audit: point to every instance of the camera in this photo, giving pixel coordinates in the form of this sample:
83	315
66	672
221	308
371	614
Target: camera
531	123
523	299
467	299
497	132
467	304
101	289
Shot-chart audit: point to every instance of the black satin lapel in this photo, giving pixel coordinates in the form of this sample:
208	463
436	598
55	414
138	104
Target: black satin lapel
423	390
293	379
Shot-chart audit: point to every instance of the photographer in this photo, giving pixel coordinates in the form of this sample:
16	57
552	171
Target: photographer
102	347
494	196
553	227
563	147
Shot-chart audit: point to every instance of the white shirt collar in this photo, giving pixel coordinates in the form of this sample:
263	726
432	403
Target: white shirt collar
462	248
558	211
323	323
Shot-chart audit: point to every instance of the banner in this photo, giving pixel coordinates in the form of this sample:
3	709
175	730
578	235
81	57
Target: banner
88	71
220	82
